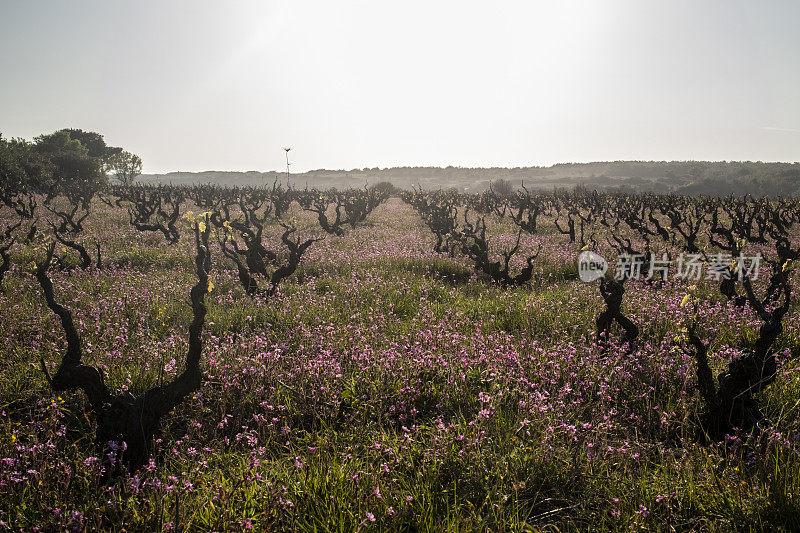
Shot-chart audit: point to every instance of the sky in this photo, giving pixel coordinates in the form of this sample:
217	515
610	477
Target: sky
210	85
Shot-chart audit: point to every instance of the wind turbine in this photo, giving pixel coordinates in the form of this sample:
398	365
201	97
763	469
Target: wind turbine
287	164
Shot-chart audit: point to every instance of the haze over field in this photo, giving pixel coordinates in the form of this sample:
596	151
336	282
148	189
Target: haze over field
200	85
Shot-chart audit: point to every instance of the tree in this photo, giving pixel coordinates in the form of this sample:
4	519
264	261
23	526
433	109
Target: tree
385	187
79	155
93	142
73	165
23	173
126	167
21	168
502	188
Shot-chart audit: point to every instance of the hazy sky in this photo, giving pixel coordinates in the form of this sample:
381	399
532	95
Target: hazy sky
224	85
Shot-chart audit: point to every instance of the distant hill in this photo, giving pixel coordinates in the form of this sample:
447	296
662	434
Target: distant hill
690	177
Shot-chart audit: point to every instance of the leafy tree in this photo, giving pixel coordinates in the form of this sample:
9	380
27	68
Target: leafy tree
385	187
93	142
73	166
126	167
21	167
502	188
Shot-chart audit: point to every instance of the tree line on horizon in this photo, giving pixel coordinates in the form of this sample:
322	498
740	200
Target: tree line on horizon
713	178
72	157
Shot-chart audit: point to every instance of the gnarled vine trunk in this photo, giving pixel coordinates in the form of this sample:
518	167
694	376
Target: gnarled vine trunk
124	418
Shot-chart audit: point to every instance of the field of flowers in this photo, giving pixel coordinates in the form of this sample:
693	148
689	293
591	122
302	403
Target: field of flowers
385	387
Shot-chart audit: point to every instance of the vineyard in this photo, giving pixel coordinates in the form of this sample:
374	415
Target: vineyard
193	358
